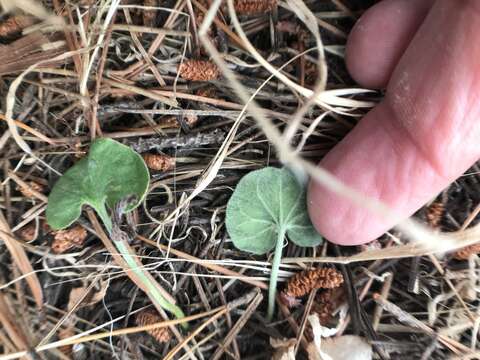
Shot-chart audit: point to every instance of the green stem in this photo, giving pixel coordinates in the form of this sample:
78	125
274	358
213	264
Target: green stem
272	288
130	260
102	212
132	264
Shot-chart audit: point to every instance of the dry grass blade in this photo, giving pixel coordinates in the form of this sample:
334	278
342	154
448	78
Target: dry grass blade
28	50
403	316
34	132
217	268
237	327
21	261
441	243
79	338
7	319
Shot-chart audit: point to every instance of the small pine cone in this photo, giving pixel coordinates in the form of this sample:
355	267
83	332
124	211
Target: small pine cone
169	121
208	92
253	7
15	24
191	120
198	70
27	191
64	240
65	333
435	213
464	253
324	306
303	283
28	232
147	317
150	15
159	162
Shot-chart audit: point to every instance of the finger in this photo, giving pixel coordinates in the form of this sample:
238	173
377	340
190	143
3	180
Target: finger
380	38
419	139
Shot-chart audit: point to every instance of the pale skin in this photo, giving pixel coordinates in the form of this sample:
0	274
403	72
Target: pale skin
426	131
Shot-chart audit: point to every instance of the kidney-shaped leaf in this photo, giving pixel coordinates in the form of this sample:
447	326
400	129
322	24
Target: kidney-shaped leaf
111	172
266	202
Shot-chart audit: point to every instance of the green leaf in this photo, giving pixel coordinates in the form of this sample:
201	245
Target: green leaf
265	203
111	172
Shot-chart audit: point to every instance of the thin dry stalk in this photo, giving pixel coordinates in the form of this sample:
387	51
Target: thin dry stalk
7	319
21	260
377	313
237	327
28	50
217	268
408	319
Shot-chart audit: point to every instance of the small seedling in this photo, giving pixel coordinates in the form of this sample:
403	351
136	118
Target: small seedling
267	205
110	173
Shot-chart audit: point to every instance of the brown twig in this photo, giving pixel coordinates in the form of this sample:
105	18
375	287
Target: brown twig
21	260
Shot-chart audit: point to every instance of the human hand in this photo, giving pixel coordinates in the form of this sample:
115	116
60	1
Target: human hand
425	132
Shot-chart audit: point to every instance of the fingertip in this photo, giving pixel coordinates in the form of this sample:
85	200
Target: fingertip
377	161
380	37
329	221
